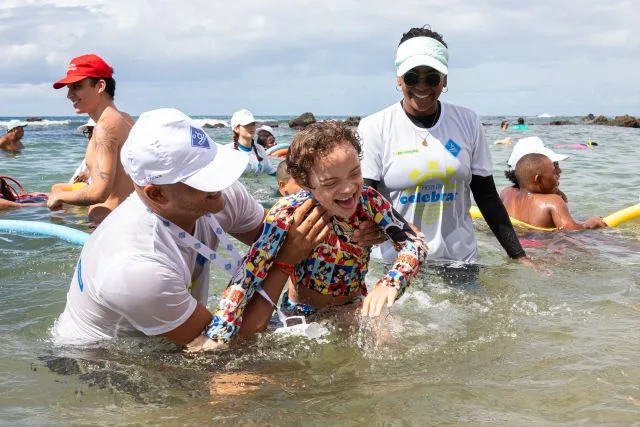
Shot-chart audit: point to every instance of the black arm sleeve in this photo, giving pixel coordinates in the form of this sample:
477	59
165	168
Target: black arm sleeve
494	213
372	183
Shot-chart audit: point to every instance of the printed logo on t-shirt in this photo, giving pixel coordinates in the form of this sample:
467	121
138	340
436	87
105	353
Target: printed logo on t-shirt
452	147
199	139
406	152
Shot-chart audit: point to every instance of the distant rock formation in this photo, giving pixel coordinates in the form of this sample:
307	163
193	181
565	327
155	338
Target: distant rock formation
352	121
33	119
561	122
626	121
213	126
302	120
272	123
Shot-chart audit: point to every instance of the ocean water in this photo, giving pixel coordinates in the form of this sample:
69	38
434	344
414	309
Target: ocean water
515	347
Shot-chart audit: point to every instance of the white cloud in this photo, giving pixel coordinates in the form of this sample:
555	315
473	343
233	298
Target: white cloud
331	56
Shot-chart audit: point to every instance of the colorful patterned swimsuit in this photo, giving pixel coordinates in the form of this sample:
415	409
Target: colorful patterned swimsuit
336	267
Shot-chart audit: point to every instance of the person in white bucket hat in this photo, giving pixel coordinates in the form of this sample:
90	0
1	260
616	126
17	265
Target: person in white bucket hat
11	141
428	157
528	145
145	269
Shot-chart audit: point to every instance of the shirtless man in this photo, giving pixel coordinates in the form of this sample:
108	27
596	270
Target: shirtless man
11	141
91	89
536	201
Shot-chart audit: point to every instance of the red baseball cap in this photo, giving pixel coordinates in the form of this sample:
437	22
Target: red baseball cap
82	67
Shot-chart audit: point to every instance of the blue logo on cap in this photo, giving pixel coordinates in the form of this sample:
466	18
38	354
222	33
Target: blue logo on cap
199	139
452	147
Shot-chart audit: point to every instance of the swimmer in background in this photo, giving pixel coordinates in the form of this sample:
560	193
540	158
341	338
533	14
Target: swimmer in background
504	125
265	136
11	142
286	184
80	177
11	198
536	201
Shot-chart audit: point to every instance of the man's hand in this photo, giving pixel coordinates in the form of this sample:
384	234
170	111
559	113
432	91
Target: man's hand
376	300
368	234
203	343
305	234
595	222
53	202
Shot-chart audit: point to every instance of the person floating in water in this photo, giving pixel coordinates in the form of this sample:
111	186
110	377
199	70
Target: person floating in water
536	201
11	142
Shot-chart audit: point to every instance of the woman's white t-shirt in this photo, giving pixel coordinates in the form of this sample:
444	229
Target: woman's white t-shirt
426	174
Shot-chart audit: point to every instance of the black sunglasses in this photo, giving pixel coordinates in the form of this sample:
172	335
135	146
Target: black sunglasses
412	78
88	132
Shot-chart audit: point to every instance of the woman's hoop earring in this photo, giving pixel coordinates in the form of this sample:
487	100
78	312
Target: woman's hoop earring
446	89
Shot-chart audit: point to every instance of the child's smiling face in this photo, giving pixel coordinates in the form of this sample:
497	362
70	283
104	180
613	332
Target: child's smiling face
336	180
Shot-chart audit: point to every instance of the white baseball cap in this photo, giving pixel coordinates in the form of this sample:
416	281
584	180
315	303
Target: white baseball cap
266	128
90	123
529	145
166	146
242	118
16	124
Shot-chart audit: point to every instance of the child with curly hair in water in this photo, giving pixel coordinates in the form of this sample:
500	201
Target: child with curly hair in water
324	159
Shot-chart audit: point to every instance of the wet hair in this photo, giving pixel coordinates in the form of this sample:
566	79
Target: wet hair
282	173
110	85
236	137
314	141
511	176
424	31
529	166
520	120
262	137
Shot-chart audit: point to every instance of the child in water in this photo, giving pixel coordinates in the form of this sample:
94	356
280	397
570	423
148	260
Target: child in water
286	184
536	202
324	159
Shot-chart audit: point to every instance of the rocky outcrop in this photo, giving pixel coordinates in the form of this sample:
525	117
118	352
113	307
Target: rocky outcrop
302	120
561	122
352	121
589	117
626	121
213	126
600	120
272	123
33	119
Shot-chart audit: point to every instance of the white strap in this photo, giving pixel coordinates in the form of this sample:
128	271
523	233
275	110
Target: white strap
226	256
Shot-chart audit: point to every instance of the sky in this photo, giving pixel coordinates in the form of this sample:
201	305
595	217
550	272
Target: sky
330	57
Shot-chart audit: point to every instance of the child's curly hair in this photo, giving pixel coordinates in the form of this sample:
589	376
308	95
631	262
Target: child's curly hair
315	141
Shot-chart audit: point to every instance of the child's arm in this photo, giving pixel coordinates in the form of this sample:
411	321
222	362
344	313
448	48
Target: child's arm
411	247
563	220
258	261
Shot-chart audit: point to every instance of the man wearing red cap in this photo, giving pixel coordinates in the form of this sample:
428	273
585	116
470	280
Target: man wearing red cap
91	89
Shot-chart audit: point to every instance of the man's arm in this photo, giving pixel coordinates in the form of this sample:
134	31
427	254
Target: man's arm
106	141
563	220
192	328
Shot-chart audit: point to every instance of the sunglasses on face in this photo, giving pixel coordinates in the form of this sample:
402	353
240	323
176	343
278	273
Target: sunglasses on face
87	133
432	78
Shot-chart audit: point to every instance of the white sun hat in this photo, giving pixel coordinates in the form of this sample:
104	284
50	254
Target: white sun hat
532	144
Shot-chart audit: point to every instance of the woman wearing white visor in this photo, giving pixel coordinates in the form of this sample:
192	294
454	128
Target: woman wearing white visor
428	156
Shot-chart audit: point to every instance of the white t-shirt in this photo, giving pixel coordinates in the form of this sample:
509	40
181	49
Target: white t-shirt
133	278
428	182
254	165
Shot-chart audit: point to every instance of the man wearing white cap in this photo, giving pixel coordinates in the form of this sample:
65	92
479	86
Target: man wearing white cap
428	157
145	269
534	200
11	141
528	145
